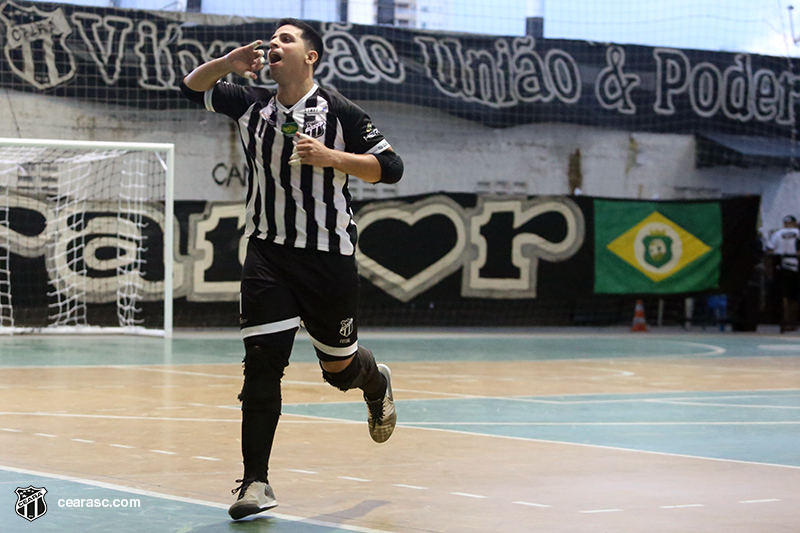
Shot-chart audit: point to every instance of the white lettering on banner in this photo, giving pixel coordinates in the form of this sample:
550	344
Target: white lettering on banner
393	283
500	74
105	39
526	248
101	228
108	246
613	86
506	78
22	243
738	92
70	238
369	59
201	246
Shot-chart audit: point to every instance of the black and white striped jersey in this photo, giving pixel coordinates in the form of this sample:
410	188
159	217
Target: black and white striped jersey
300	206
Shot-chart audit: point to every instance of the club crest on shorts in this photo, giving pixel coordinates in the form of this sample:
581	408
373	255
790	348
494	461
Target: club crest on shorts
347	327
30	502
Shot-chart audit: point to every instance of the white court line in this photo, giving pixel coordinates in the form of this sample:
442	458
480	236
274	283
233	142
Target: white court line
565	443
205	458
529	504
162	496
11	430
120	417
601	447
414	487
780	347
122	446
301	471
681	506
777	423
318	420
181	372
164	452
46	435
678	401
761	501
468	495
83	440
355	479
737	396
601	511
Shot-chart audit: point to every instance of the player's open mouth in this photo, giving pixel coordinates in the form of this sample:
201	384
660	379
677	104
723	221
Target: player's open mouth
274	57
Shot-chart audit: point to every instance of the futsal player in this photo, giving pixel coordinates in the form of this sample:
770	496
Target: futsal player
302	142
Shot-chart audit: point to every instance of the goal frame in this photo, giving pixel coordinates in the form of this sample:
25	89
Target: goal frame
169	221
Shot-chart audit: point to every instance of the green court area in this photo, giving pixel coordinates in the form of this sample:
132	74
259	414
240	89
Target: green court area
752	426
400	346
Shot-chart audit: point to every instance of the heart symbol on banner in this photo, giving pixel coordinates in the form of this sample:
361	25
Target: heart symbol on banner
404	241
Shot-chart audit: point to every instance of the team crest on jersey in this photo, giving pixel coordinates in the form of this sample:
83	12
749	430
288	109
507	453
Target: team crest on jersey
314	128
30	502
347	327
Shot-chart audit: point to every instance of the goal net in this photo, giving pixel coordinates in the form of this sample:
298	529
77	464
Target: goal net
83	240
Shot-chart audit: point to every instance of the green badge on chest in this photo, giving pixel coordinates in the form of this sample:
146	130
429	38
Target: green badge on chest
289	129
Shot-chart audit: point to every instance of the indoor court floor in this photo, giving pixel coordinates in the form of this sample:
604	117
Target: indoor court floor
571	430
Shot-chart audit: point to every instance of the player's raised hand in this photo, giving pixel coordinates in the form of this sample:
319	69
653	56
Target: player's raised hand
247	60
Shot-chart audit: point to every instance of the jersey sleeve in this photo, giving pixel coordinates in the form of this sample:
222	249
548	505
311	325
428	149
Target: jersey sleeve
360	134
233	100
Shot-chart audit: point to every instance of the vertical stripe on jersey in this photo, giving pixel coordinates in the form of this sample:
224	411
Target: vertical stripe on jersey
252	201
269	181
341	200
327	187
307	188
290	207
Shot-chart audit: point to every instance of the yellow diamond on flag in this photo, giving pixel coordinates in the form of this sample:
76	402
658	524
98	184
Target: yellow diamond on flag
657	247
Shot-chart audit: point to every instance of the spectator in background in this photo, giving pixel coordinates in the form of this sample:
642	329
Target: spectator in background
783	245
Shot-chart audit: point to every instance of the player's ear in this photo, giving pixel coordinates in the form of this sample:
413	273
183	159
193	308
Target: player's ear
311	57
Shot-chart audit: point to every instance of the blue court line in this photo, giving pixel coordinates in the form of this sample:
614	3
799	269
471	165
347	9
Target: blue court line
155	512
752	426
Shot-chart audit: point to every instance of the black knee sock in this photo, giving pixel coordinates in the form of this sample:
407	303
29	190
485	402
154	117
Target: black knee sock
362	373
258	432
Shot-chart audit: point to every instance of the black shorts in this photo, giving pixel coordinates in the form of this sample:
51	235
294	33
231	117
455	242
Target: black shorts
282	285
788	283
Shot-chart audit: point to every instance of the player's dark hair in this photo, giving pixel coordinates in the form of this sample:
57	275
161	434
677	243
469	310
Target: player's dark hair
312	39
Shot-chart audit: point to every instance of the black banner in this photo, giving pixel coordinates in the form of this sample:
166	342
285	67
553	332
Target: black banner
138	58
439	259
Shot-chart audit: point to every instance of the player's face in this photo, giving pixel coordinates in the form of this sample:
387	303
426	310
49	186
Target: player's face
288	57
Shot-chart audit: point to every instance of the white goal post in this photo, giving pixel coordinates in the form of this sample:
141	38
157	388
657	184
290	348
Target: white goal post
86	237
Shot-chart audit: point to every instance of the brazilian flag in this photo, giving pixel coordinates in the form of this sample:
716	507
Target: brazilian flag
657	247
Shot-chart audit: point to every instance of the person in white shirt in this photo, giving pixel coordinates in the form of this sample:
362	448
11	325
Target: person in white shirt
783	245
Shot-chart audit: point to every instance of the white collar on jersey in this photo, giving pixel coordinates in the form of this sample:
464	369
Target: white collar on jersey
283	109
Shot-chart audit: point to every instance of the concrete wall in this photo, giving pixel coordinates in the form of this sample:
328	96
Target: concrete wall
441	153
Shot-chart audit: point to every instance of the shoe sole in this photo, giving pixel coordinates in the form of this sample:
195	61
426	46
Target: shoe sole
242	511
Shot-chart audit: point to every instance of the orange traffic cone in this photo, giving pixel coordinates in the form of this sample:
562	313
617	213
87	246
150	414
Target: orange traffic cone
639	323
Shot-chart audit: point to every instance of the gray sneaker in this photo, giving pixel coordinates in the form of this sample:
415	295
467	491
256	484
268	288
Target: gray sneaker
254	497
382	416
